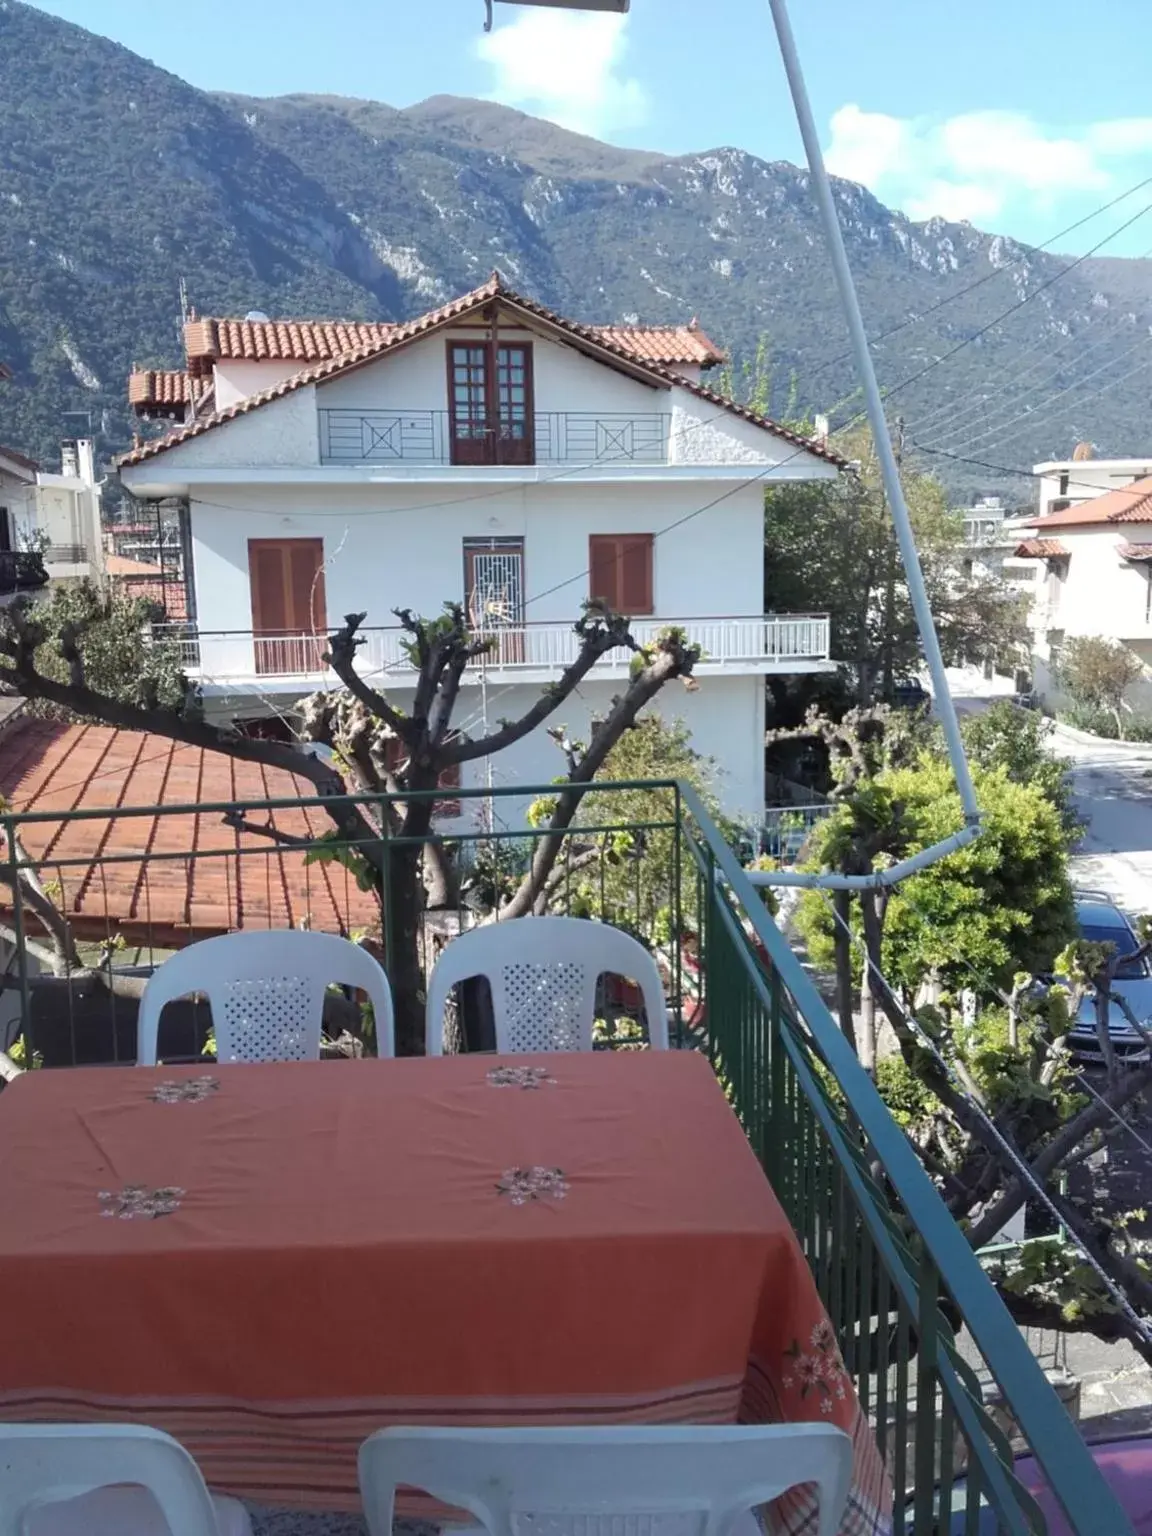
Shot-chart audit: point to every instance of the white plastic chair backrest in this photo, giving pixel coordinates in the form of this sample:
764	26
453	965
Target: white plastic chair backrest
266	991
691	1481
43	1463
543	973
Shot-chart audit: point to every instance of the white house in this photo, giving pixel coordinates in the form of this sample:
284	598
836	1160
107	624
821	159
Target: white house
1093	564
1067	483
490	452
49	516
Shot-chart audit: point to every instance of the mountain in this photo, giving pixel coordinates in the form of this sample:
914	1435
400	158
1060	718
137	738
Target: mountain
117	180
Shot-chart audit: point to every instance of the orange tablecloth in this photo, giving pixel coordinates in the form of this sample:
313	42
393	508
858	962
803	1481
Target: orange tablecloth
269	1262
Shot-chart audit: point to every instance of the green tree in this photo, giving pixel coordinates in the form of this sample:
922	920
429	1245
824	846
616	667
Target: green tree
1001	905
1097	674
1019	741
121	657
830	546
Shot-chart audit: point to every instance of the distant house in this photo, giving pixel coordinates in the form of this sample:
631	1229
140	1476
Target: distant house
49	520
1093	565
490	452
1065	483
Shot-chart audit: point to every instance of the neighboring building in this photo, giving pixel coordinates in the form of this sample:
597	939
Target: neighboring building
494	453
1093	564
1067	483
988	537
49	518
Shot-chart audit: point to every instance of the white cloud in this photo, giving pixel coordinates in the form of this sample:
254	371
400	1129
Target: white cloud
566	66
984	165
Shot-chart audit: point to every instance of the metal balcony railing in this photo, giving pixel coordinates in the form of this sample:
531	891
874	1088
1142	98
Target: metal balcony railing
22	570
893	1268
350	436
735	643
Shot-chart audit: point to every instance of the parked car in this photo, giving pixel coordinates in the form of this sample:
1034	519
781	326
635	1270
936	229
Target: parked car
910	693
1127	1467
1101	922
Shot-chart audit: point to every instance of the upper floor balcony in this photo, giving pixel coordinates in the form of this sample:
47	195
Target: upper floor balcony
418	438
529	653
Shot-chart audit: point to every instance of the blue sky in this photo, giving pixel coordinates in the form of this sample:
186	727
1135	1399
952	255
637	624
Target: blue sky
1018	114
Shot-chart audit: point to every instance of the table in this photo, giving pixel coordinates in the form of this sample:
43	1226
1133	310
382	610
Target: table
269	1262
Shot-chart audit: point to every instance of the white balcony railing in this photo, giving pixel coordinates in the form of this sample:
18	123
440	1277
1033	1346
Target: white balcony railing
749	644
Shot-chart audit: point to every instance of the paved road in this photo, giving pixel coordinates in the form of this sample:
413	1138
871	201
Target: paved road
1113	787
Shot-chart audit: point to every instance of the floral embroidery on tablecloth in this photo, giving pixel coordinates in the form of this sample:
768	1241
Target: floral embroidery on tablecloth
519	1077
524	1184
819	1369
138	1200
190	1090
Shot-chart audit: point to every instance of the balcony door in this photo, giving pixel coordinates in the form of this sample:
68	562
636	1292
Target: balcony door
288	607
491	413
494	595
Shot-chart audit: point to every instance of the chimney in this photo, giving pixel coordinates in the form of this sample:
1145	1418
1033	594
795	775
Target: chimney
820	429
69	459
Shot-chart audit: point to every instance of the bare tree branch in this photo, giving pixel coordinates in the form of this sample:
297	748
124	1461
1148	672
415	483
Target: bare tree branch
599	634
671	658
341	655
240	823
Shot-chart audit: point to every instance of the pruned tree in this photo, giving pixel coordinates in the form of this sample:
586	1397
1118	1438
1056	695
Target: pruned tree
376	749
1097	674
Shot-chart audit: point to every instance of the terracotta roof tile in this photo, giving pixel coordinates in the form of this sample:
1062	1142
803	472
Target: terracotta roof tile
218	880
1127	504
664	343
297	341
1041	549
401	335
1135	551
159	386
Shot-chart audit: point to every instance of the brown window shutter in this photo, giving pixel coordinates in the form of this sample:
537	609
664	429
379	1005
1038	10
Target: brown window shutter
266	574
636	573
603	569
306	568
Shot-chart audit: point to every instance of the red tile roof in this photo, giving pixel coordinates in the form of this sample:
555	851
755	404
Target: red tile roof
664	343
297	341
1135	551
164	387
176	877
401	335
1127	504
1041	549
315	341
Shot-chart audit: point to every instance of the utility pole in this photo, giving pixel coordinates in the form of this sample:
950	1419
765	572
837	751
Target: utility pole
888	680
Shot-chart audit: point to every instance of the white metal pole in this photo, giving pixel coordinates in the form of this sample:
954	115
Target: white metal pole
889	469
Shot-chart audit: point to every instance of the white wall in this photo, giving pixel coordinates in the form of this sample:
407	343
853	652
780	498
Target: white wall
281	434
1089	478
236	379
395	546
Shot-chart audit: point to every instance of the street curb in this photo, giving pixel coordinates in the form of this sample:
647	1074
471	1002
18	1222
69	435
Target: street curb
1087	739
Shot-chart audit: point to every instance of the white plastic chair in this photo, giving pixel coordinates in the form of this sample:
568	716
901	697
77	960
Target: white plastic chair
698	1481
266	992
69	1480
543	973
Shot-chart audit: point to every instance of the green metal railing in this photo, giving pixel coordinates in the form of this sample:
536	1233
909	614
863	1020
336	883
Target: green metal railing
894	1270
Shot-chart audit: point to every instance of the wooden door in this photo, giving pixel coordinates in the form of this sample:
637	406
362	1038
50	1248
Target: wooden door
469	386
491	412
288	606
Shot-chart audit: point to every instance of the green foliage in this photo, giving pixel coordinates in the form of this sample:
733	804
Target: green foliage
1053	1274
1001	905
830	546
1102	722
1097	674
120	656
1005	736
332	847
622	1034
630	878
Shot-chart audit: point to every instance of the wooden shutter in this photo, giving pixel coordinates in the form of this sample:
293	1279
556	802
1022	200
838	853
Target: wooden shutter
620	571
288	603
